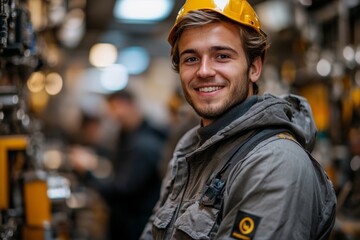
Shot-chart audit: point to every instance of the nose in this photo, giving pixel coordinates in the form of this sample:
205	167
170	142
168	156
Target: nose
205	68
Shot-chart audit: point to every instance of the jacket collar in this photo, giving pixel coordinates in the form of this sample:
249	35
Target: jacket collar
204	133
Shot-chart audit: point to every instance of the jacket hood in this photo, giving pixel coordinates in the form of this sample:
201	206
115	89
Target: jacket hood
288	111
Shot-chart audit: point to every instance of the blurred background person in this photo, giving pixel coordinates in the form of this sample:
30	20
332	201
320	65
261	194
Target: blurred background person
182	119
87	147
132	189
91	134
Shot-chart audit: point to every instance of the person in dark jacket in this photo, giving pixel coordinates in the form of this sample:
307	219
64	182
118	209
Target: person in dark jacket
134	185
214	189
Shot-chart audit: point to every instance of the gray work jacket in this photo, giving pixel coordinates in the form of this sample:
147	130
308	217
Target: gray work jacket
272	193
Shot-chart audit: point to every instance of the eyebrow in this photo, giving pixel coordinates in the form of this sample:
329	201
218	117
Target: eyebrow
187	51
213	49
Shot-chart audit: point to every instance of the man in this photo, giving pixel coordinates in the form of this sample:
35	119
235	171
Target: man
133	189
275	191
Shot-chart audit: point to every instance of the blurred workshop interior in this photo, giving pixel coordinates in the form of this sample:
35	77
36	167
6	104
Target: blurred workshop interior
59	58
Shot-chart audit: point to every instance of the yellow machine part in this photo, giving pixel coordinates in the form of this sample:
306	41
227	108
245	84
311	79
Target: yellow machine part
34	233
37	203
8	143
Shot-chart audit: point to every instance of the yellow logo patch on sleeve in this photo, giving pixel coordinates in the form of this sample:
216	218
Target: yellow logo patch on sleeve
245	226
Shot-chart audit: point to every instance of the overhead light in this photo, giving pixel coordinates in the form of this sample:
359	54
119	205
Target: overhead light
275	15
104	80
36	82
135	59
103	54
73	28
54	83
323	67
37	12
349	53
56	12
114	77
142	10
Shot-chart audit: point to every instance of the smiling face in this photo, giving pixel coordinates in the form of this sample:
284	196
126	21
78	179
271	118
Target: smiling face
213	69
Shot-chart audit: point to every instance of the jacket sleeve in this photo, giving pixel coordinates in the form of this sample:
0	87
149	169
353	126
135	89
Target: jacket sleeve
269	194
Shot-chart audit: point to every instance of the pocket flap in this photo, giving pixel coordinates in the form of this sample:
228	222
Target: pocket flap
164	215
197	221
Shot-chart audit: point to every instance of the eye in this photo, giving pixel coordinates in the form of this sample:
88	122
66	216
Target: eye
190	59
223	56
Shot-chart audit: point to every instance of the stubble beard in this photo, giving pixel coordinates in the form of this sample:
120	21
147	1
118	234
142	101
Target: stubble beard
214	112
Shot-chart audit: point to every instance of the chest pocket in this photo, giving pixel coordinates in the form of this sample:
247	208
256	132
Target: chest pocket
197	222
162	219
164	216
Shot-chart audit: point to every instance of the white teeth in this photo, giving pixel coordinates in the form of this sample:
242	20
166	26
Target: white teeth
209	89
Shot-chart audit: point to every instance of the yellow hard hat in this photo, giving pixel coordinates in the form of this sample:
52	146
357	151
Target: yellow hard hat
238	10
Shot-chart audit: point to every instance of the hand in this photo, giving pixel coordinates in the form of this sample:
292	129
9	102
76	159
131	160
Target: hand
82	159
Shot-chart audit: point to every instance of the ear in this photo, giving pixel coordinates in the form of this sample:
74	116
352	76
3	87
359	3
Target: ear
255	69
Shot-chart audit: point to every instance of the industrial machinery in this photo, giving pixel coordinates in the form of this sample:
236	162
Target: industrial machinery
29	195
